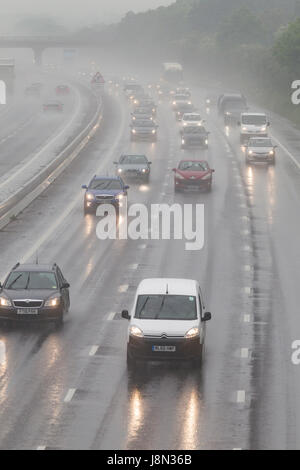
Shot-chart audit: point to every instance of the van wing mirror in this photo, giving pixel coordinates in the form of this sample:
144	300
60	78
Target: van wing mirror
125	315
207	316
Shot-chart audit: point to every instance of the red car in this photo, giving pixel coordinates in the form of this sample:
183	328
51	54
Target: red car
193	174
62	90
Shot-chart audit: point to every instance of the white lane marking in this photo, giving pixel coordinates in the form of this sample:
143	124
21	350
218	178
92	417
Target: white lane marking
69	395
2	353
241	396
248	267
247	318
111	316
50	142
237	448
93	350
41	448
134	266
123	288
246	248
244	353
287	152
142	247
71	206
247	290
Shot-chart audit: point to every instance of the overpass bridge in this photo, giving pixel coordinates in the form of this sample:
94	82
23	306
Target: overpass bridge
39	43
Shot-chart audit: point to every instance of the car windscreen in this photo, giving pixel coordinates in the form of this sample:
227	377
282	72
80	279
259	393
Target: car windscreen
31	280
133	159
234	104
192	117
105	184
144	123
146	111
195	130
166	307
193	166
254	120
260	143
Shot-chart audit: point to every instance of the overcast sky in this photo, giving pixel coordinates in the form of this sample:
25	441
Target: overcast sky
73	12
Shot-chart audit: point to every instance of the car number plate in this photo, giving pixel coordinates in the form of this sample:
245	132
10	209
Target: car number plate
164	348
27	311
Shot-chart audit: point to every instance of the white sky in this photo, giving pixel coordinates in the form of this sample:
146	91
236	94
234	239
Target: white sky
74	12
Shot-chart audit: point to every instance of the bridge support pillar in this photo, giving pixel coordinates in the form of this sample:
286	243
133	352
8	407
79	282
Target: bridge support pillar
38	55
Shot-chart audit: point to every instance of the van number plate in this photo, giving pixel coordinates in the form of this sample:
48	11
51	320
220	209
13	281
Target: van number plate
163	348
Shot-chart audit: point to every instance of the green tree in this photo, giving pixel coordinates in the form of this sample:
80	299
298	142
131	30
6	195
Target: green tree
287	48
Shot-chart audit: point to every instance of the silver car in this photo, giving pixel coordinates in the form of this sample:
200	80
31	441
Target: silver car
260	149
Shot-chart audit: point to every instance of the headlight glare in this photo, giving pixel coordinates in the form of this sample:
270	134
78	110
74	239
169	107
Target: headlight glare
192	333
5	302
52	302
135	331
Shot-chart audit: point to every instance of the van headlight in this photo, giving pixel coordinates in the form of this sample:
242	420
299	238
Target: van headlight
206	141
135	331
154	131
183	141
271	152
53	301
244	128
263	129
192	333
5	302
133	131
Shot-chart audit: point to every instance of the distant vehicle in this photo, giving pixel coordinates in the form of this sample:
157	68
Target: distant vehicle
62	90
104	190
34	292
253	124
167	322
150	104
192	119
53	106
183	108
260	149
131	88
140	98
178	100
193	174
142	113
33	90
133	166
183	91
194	136
144	130
230	107
172	72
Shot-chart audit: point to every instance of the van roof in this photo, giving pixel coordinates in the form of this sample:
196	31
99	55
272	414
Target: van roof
253	114
168	285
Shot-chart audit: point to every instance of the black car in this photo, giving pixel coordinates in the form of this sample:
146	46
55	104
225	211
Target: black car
133	166
109	190
144	129
194	136
34	292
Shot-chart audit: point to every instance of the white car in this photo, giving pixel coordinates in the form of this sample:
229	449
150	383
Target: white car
260	149
253	125
192	119
167	321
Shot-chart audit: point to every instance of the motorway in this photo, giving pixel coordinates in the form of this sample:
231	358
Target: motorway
70	388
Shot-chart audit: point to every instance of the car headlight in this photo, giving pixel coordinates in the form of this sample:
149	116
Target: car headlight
183	141
192	333
90	196
207	177
120	170
179	176
53	301
5	302
120	197
250	152
271	152
135	331
153	131
185	124
228	113
174	103
263	129
207	101
244	128
133	131
206	141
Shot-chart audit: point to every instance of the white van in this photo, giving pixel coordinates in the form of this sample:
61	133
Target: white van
253	125
167	321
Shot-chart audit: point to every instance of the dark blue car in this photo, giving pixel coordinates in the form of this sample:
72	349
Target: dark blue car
104	190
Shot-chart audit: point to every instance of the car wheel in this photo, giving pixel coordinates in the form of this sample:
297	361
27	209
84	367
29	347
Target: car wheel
59	321
198	361
209	186
86	210
131	362
273	162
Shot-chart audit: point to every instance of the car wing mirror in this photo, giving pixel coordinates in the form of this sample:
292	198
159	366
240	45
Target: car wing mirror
125	315
65	285
149	163
207	316
126	187
84	186
213	170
